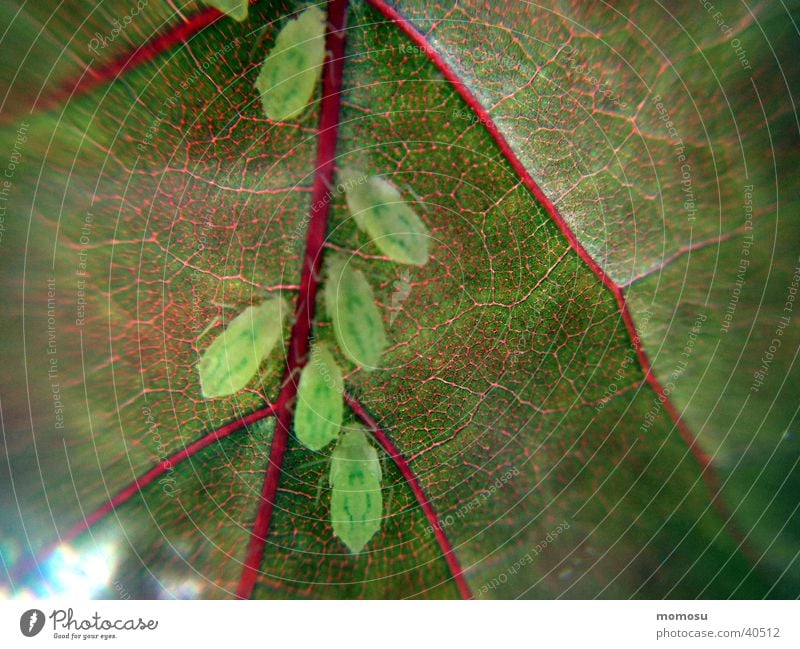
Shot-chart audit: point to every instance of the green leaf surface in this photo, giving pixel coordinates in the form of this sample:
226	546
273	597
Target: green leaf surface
142	203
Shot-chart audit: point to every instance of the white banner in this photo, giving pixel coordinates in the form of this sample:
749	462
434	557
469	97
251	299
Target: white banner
404	625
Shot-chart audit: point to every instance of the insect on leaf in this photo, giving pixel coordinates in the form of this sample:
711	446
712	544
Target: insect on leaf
291	71
356	499
236	9
380	210
320	405
357	321
233	359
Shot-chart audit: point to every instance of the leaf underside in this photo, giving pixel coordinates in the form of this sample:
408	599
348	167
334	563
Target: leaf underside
164	193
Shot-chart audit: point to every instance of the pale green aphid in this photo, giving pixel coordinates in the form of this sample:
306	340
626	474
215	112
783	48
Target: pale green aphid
291	71
236	9
357	322
232	360
320	404
356	499
379	209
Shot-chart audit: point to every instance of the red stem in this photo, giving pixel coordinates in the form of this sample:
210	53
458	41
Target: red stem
419	493
123	496
130	60
309	283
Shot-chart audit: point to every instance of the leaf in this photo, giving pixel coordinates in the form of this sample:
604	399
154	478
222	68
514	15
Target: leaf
557	418
357	322
356	500
232	360
379	209
320	405
291	71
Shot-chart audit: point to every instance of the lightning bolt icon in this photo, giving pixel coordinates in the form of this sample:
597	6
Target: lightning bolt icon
32	621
